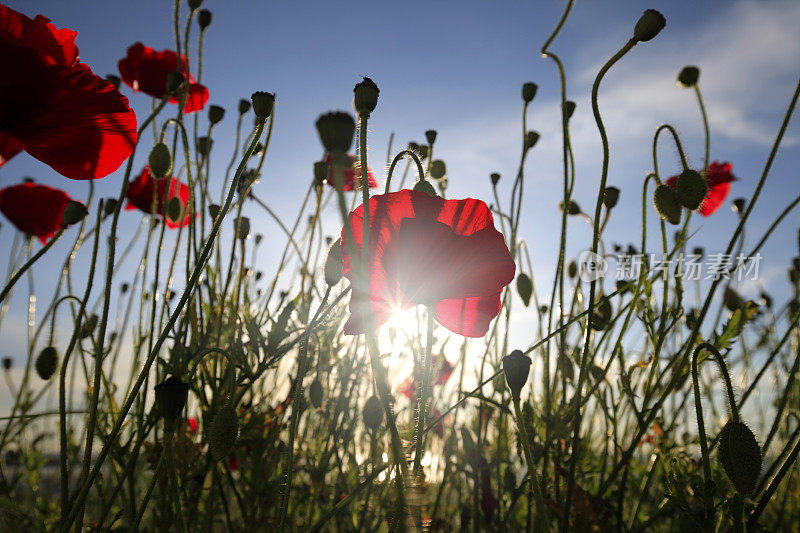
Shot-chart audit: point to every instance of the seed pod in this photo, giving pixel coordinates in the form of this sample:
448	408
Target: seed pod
688	76
224	432
333	264
572	207
216	114
568	108
430	136
649	25
524	288
263	103
740	456
372	413
495	177
738	205
194	4
315	393
438	169
47	362
531	138
426	187
692	189
171	396
365	97
213	210
73	213
516	367
204	19
204	145
242	227
529	91
423	151
336	131
7	363
174	209
109	205
666	204
611	197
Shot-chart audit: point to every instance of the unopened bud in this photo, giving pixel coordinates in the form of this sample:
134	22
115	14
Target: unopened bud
691	189
438	169
516	367
568	109
426	187
213	210
315	393
47	362
336	130
7	363
242	227
666	203
531	138
321	171
160	160
244	106
73	213
109	205
572	208
740	456
738	205
333	264
204	18
529	91
372	413
204	145
611	197
171	396
224	432
215	114
174	81
174	209
524	288
688	76
430	135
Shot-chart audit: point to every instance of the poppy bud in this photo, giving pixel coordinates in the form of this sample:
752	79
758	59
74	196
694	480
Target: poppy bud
572	207
174	209
47	362
732	300
531	138
109	205
194	4
423	151
224	432
204	145
611	197
740	456
215	114
124	288
666	203
315	393
372	413
568	109
259	237
242	227
516	367
333	264
438	169
649	25
87	328
430	135
213	210
413	146
366	96
691	189
321	171
738	205
336	130
204	18
699	250
262	104
601	316
495	177
7	363
73	213
244	106
426	187
529	91
171	396
688	77
174	81
524	288
160	160
114	80
572	269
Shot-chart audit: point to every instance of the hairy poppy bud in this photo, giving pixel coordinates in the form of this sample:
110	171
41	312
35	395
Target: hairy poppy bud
315	393
691	189
438	169
568	109
109	205
213	210
666	203
649	25
333	263
372	413
611	197
572	207
224	432
160	160
426	187
321	171
87	328
495	177
216	114
524	288
171	396
204	145
194	4
738	205
688	76
516	367
413	146
740	456
430	136
242	227
73	213
336	130
366	96
262	104
174	81
174	209
47	362
572	269
204	18
115	81
531	138
529	91
423	151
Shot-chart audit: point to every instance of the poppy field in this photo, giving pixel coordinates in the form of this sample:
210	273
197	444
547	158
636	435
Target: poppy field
399	362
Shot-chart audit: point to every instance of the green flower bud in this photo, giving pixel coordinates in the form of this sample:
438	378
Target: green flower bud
160	160
430	135
263	103
611	197
244	106
47	362
572	207
531	138
242	227
73	213
171	396
649	25
366	96
529	91
524	288
174	209
740	456
495	177
115	81
321	171
215	114
204	19
333	264
438	169
372	413
666	202
691	189
423	151
213	210
688	77
568	109
336	130
109	205
602	315
204	145
572	269
516	367
223	433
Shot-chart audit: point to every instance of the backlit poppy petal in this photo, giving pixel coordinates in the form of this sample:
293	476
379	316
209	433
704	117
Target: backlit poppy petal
56	46
149	195
9	147
34	209
350	174
718	178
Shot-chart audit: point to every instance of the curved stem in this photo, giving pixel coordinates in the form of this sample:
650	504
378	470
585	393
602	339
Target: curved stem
397	158
18	274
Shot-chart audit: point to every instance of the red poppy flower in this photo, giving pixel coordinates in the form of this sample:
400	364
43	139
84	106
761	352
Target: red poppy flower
351	174
444	372
146	70
34	209
234	463
192	425
408	388
140	196
718	179
426	250
54	107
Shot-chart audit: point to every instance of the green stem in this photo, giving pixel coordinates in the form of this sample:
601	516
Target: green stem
15	278
540	518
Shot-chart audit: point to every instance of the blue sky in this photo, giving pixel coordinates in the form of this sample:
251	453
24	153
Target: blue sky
457	67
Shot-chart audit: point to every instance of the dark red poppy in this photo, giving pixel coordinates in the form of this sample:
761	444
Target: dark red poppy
54	107
408	388
140	196
34	209
146	70
234	463
192	425
718	179
351	174
444	372
425	250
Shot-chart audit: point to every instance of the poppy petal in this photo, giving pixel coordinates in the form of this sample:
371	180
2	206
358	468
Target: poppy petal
469	317
9	147
34	209
56	46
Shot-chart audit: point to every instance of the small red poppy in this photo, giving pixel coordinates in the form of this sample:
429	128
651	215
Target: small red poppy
425	250
234	463
718	179
351	174
34	209
192	425
141	190
444	372
146	70
54	107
